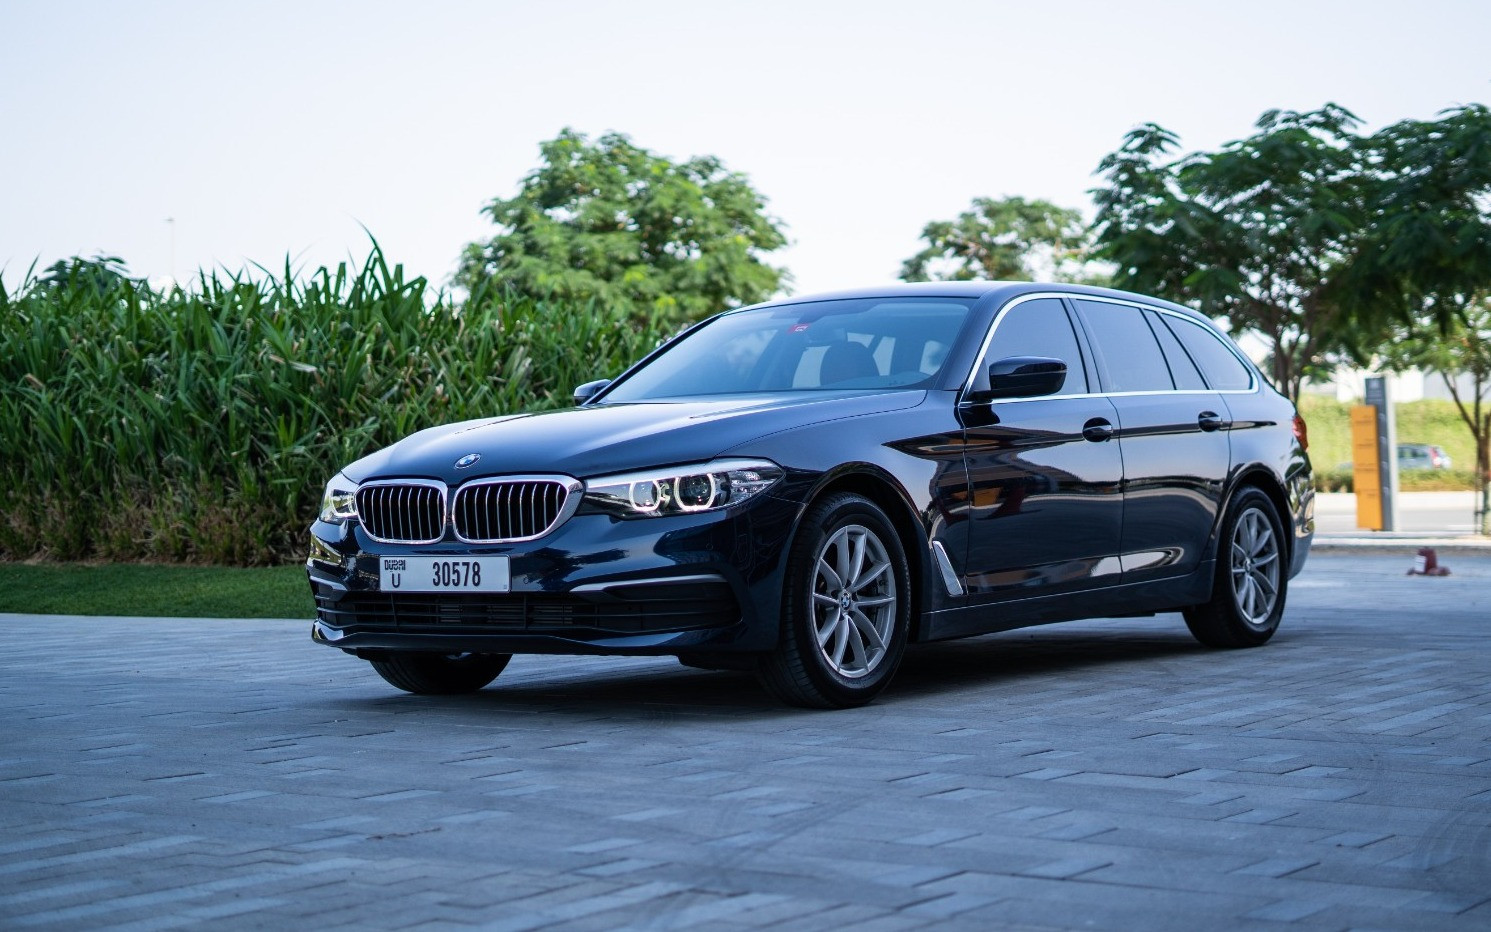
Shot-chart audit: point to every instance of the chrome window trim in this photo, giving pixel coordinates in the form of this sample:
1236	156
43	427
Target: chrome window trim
440	487
1253	386
573	488
1189	391
994	326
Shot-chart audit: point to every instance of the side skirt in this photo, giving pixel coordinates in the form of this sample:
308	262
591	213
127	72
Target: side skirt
1164	595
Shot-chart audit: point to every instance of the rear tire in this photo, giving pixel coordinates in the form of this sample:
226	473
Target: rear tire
428	674
846	608
1247	598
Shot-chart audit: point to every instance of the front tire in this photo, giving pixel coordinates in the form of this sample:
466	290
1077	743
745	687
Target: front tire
428	674
1247	598
846	608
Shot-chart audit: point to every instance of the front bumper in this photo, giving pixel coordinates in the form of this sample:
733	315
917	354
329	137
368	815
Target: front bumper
596	584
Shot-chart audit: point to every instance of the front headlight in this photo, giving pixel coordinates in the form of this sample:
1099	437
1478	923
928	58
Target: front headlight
339	501
680	490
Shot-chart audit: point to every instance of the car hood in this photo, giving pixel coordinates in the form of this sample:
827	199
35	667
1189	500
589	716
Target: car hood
606	438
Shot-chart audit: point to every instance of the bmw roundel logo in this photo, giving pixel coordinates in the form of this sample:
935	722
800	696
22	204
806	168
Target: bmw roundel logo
468	460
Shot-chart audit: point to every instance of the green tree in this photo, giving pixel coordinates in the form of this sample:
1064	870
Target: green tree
1004	238
1427	249
1257	232
1431	261
613	222
1325	242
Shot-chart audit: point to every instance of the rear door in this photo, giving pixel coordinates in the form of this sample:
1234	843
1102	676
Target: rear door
1172	430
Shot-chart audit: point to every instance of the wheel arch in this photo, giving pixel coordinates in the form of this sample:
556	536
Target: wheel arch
1266	482
873	484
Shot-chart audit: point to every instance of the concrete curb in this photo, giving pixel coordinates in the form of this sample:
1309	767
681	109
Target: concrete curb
1378	544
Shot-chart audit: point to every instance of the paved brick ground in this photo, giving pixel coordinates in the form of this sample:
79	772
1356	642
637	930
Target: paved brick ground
1112	774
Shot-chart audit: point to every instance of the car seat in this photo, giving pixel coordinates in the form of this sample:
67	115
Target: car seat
846	361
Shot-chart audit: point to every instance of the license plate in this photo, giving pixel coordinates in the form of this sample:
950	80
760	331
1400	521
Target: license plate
443	574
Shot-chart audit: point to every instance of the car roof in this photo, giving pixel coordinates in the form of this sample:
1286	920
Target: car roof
1000	290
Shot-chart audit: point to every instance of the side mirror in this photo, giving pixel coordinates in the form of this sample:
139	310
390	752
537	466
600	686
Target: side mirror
589	390
1023	377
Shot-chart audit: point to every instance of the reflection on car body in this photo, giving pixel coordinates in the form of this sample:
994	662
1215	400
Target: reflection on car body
804	487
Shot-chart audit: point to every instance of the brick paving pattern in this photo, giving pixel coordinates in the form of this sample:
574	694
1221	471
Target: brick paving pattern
157	774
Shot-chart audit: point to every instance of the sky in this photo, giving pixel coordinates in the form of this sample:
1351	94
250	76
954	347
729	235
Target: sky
186	135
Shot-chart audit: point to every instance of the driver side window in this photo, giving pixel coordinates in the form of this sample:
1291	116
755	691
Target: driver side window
1039	327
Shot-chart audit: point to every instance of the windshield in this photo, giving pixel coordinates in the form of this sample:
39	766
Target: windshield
865	343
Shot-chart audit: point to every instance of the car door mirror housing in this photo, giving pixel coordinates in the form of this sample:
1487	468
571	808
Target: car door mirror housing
589	390
1022	377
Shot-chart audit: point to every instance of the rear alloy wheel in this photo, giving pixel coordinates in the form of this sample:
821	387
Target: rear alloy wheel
429	674
1247	598
846	608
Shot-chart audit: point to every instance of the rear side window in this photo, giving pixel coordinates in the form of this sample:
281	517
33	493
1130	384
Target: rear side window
1131	356
1223	370
1036	328
1187	377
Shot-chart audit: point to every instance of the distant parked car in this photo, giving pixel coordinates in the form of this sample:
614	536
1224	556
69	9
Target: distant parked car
1422	456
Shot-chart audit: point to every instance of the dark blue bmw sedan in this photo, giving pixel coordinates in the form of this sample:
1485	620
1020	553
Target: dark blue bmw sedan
805	487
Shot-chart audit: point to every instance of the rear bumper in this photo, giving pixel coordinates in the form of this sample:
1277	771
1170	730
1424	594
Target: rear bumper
1301	552
1301	517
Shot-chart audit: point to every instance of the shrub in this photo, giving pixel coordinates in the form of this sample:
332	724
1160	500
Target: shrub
1332	480
201	425
1436	480
1409	480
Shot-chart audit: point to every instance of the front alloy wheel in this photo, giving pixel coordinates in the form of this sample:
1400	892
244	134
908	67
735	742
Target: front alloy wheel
854	601
846	608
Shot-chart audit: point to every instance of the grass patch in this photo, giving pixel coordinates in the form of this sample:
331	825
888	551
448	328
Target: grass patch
1428	421
154	590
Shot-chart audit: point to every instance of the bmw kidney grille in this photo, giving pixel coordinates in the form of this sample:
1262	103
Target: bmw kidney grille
485	511
488	512
402	512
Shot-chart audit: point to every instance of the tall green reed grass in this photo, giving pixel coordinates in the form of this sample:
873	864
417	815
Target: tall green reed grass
200	424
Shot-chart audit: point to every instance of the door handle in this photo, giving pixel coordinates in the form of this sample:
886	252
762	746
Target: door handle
1097	430
1210	421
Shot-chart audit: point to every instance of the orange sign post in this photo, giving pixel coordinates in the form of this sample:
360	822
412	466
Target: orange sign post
1373	453
1366	472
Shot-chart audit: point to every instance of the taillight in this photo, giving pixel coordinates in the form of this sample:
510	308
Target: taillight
1301	432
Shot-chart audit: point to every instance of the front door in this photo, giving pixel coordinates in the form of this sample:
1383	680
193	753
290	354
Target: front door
1045	509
